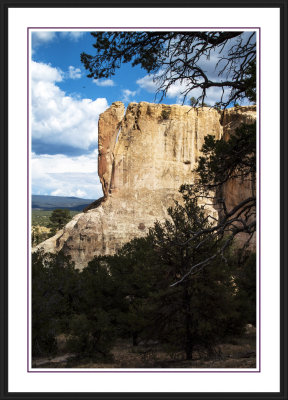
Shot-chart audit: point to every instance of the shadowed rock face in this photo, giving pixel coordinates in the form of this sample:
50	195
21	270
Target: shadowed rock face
144	157
237	190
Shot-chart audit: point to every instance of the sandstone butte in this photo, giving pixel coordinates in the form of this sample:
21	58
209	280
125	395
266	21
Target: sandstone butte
145	155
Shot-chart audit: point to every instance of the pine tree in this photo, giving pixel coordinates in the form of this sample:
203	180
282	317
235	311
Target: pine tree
58	219
201	309
55	296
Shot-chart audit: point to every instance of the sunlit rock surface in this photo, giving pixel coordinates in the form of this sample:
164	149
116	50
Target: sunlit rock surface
145	155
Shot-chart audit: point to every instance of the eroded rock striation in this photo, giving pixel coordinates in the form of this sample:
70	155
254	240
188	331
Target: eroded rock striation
145	155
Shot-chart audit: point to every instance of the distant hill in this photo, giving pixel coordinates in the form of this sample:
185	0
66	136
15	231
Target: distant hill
40	202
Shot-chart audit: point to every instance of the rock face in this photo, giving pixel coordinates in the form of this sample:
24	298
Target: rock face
237	190
144	157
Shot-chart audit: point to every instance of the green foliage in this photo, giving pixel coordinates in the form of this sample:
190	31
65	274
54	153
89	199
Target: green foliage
55	295
119	47
199	311
78	305
195	314
38	235
135	278
223	160
193	102
217	106
245	280
58	219
42	217
130	294
93	329
91	336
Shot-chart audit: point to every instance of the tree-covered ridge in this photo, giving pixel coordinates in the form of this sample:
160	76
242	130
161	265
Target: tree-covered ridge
41	202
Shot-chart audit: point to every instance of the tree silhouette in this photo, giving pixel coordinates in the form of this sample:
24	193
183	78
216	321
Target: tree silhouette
58	219
181	58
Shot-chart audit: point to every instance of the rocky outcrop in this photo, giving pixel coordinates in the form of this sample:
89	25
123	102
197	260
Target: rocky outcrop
144	157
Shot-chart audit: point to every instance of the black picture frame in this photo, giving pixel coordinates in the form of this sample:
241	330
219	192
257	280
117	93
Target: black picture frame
5	6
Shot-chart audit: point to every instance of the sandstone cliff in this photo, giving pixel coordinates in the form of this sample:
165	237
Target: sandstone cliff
145	155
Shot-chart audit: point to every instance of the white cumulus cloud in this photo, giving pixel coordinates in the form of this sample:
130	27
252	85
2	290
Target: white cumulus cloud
58	118
176	90
60	175
147	83
45	73
42	36
74	73
73	35
104	83
127	95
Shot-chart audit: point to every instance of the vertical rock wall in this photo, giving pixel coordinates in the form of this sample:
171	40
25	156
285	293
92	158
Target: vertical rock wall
144	157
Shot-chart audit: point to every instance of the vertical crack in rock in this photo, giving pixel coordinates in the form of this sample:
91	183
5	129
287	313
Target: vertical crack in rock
108	129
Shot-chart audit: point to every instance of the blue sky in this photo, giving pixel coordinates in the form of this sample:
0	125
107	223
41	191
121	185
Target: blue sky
66	106
65	110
